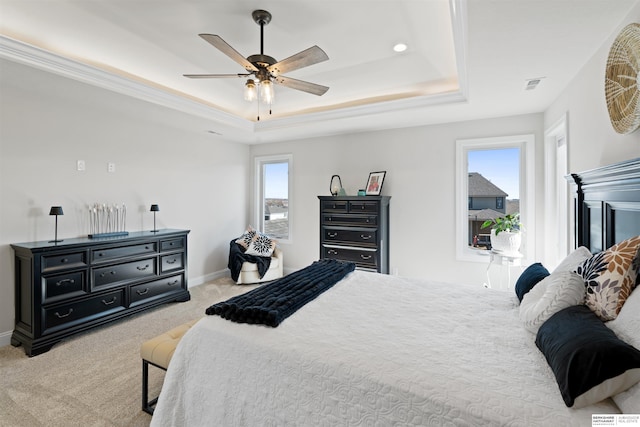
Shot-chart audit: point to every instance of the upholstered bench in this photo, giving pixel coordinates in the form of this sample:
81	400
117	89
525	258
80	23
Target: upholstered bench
158	352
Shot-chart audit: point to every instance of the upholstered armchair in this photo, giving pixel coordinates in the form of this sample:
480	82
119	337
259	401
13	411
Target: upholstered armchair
249	271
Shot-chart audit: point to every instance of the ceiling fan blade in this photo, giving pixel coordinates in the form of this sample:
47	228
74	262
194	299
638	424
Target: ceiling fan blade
215	76
307	57
217	42
312	88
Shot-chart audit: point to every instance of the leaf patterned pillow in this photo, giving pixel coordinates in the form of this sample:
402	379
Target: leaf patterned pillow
610	276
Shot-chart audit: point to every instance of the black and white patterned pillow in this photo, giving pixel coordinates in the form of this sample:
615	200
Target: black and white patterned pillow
261	245
245	239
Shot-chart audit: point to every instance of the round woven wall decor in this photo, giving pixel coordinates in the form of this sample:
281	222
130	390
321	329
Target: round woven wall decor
621	80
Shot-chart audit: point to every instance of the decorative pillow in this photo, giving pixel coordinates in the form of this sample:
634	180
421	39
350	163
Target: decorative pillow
589	362
573	260
552	294
245	239
627	328
528	279
261	245
610	278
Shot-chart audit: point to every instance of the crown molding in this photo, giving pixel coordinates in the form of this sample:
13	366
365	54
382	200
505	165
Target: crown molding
36	57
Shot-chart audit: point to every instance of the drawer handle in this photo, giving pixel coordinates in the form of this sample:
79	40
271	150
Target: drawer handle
365	237
65	281
334	206
368	220
362	207
146	247
63	260
332	234
171	261
112	272
173	283
332	252
109	302
365	257
143	268
62	316
146	290
171	243
100	254
329	218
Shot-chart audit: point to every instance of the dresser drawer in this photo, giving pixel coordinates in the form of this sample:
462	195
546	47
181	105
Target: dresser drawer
364	207
171	262
67	315
119	273
172	244
362	257
146	291
64	286
357	236
69	260
109	254
335	206
354	220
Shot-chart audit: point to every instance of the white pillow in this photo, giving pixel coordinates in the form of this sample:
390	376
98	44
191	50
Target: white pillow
627	327
553	293
573	260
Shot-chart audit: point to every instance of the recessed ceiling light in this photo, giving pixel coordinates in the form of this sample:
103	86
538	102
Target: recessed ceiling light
400	47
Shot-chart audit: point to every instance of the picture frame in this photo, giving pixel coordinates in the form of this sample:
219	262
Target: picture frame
374	183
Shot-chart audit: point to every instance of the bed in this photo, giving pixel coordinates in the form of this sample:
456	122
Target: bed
383	350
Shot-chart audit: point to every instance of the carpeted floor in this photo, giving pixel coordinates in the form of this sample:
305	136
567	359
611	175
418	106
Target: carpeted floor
94	378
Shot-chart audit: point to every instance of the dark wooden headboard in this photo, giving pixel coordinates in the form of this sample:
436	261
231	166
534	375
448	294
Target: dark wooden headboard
607	204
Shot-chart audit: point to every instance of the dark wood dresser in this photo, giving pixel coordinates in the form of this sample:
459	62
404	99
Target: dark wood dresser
77	284
356	229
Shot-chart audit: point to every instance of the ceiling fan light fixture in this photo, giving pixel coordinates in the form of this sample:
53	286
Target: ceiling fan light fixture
266	92
250	91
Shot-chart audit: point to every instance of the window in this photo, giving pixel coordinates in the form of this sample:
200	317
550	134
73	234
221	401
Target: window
273	183
557	205
494	178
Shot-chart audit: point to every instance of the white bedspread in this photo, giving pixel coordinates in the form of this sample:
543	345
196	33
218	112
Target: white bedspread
374	350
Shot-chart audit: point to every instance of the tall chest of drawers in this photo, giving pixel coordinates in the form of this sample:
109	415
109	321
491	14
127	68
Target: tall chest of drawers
356	229
77	284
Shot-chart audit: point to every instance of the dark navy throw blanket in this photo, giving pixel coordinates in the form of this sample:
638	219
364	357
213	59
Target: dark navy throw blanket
270	304
237	257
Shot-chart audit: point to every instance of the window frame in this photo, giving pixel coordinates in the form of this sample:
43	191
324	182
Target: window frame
258	207
526	144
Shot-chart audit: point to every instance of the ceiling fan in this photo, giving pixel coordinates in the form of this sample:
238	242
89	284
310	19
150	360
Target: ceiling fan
263	69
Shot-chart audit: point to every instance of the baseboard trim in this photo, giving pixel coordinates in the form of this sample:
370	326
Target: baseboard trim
197	281
5	338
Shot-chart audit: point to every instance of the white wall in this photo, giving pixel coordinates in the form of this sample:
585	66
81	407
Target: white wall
592	140
162	156
420	165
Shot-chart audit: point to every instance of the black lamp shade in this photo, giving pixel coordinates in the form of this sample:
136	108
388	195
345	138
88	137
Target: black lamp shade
154	208
56	210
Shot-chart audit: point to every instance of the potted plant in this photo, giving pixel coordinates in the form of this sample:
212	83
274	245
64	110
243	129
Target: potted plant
505	232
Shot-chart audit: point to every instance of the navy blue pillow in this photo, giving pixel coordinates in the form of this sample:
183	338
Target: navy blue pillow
528	279
583	353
